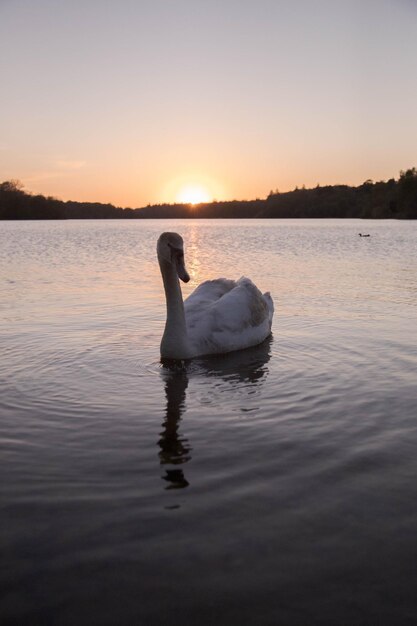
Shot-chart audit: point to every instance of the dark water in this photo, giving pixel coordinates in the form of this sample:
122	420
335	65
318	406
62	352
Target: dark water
273	486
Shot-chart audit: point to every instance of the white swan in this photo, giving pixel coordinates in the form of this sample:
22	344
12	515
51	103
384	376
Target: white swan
219	316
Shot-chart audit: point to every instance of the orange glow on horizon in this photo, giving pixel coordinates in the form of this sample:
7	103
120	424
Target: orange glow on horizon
193	194
192	188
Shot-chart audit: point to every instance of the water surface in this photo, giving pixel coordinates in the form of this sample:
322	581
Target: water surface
271	486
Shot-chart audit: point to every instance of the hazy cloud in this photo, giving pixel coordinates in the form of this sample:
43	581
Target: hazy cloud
60	168
69	165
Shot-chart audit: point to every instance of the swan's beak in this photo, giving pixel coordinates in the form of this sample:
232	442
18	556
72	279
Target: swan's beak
181	271
179	262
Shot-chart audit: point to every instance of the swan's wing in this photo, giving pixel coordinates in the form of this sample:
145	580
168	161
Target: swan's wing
226	315
208	292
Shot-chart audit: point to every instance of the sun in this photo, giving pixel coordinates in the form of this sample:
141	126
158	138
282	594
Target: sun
193	194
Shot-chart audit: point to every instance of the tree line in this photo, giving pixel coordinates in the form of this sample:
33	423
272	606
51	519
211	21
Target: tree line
392	199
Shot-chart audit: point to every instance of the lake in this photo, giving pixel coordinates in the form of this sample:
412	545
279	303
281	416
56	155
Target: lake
273	486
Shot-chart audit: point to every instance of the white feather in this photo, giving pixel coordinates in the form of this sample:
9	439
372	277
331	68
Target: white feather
224	315
219	316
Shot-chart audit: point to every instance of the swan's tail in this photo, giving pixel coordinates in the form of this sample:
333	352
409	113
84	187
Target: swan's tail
270	303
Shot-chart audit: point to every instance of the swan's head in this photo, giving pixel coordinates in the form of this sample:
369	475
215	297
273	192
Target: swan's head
170	249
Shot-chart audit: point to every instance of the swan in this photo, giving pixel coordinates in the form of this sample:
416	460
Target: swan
219	316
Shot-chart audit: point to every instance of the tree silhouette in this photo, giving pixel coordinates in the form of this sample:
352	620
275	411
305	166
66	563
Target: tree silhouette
391	199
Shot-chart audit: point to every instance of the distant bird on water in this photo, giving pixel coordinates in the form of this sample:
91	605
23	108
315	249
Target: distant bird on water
361	235
219	316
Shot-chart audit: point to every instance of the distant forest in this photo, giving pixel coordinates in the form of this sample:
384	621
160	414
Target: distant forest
393	199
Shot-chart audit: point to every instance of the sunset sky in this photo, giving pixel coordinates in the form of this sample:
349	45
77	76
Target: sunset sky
137	101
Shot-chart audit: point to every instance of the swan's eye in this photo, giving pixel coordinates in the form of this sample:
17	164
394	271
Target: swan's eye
176	253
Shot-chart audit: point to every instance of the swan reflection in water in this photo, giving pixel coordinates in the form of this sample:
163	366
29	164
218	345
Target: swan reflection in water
234	368
174	449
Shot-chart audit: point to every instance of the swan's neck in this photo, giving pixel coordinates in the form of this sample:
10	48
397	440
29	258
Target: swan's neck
174	344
